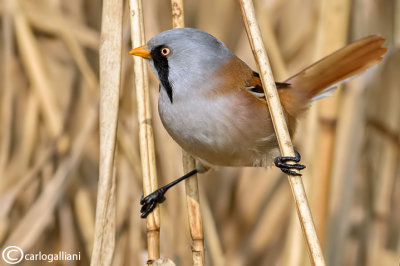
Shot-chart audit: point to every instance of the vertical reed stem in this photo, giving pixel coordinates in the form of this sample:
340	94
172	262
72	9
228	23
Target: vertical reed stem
110	81
191	184
147	153
281	129
7	93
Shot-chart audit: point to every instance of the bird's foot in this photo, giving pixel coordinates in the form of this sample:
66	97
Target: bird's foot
280	162
149	203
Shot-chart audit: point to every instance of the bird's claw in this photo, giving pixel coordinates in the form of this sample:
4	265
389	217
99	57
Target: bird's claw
150	202
280	162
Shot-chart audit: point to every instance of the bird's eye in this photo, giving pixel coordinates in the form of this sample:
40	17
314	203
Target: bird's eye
165	51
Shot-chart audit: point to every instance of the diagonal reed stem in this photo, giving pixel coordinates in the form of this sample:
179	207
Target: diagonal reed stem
191	184
147	153
281	130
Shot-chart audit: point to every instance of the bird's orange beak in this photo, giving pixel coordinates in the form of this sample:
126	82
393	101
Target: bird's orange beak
141	51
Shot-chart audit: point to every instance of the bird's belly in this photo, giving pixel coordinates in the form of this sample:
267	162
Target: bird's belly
210	131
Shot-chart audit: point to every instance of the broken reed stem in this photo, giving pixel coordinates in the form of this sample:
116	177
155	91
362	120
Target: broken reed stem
110	81
189	163
147	153
281	130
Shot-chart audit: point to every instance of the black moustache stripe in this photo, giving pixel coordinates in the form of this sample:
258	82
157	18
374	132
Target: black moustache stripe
162	67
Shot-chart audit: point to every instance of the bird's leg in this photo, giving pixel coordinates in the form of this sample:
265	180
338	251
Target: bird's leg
150	201
280	162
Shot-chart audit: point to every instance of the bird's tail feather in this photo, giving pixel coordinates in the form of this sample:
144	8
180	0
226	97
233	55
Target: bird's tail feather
330	71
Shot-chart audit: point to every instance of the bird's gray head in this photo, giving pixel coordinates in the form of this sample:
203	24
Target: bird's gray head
184	57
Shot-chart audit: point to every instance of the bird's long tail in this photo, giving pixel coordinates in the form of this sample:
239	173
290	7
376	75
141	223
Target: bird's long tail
330	71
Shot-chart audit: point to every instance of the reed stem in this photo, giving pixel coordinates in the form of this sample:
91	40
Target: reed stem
147	153
189	163
110	82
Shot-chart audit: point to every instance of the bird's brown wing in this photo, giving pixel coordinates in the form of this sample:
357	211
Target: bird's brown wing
237	76
256	88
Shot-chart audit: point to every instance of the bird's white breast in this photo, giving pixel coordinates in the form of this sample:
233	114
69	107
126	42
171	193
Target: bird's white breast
218	130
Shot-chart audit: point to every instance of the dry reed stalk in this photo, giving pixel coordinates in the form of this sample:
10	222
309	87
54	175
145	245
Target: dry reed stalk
294	249
268	225
9	195
213	241
194	214
388	162
34	65
83	207
123	208
296	30
249	216
84	35
125	141
348	148
77	52
209	19
119	255
68	235
396	23
147	153
281	130
40	213
129	224
110	81
243	50
8	93
259	195
61	28
271	44
29	137
178	17
170	161
136	247
189	163
268	232
333	17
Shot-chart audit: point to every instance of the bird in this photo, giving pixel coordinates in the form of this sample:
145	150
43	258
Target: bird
213	104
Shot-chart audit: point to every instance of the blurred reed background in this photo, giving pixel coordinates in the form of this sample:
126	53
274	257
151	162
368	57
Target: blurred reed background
49	138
